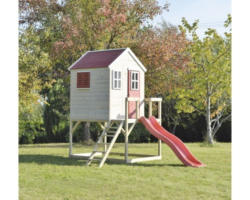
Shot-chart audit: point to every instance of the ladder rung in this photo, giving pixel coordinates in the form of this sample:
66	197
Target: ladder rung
98	152
114	127
111	131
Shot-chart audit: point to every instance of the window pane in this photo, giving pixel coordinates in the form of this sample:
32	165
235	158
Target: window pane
115	83
115	74
119	75
136	76
133	76
136	85
119	84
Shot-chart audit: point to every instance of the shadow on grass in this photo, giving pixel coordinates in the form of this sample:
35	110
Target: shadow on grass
147	164
49	159
157	165
65	161
53	146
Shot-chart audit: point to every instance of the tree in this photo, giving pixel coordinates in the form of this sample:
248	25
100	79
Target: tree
161	51
34	73
68	28
207	80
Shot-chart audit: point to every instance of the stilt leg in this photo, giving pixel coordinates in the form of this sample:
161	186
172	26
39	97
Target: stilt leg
70	138
126	131
105	139
159	117
159	147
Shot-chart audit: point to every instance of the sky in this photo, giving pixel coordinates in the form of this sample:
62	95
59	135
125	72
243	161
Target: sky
211	13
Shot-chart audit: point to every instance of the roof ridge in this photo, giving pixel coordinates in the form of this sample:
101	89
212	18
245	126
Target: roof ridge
107	49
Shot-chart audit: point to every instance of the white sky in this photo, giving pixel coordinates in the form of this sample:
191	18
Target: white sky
211	13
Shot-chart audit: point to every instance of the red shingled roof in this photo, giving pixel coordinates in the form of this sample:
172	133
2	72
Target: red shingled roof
97	59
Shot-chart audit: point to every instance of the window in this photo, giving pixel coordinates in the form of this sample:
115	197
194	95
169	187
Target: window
83	80
116	80
135	80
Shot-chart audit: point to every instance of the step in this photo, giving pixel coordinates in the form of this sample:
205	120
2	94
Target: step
111	131
114	127
98	152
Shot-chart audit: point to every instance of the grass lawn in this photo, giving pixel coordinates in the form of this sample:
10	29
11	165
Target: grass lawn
46	172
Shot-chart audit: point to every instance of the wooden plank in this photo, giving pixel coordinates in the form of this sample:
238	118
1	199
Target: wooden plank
153	99
75	126
159	117
111	144
131	128
150	109
126	131
70	138
105	139
93	154
137	109
102	127
159	110
84	155
135	160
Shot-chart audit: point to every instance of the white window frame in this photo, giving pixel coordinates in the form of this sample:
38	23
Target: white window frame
135	81
116	80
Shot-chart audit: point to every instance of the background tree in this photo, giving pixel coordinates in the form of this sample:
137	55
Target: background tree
73	28
34	76
92	25
207	82
53	34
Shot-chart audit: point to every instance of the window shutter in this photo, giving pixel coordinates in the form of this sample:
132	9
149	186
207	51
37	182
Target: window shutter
83	80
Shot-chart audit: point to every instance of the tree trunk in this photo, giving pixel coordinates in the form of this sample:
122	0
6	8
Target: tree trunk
86	132
209	136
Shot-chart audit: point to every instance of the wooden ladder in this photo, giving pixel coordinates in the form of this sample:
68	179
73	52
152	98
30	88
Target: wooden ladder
109	131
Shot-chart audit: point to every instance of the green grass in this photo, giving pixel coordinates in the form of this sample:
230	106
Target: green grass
45	172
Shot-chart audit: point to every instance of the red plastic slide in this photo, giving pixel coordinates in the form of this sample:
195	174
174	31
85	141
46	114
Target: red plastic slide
178	147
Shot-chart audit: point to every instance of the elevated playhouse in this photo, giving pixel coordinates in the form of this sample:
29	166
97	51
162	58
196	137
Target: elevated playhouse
107	87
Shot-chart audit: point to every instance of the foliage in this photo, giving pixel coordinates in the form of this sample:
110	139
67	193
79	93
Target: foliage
206	85
34	73
160	50
53	34
34	70
56	118
31	125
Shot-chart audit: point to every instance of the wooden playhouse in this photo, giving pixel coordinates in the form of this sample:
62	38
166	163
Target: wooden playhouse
107	86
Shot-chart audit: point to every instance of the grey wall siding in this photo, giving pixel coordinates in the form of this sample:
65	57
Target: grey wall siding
90	104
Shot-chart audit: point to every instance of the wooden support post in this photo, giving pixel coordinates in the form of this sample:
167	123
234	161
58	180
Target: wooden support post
149	108
105	138
71	131
70	138
159	117
137	109
126	130
159	110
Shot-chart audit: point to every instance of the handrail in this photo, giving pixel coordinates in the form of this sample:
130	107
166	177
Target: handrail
128	130
153	99
147	100
150	108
